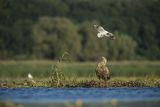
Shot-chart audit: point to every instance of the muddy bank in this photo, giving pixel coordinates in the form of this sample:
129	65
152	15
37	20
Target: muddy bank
85	83
107	84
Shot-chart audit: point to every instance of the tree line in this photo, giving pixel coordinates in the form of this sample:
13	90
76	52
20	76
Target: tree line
45	29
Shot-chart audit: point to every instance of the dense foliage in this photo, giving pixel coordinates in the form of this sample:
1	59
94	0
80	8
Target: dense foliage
47	28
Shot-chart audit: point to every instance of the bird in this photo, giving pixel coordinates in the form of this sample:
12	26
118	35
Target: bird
102	71
102	32
31	78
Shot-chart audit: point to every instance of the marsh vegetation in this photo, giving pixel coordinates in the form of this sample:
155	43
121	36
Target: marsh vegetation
53	74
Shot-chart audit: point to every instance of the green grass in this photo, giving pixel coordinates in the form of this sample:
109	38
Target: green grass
43	69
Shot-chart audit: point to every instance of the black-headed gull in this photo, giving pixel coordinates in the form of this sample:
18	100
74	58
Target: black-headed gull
102	32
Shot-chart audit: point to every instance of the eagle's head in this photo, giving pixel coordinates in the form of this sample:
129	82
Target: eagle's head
104	60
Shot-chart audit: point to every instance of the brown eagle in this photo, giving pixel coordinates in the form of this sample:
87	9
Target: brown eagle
102	71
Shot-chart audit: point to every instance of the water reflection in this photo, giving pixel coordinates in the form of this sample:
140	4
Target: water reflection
112	96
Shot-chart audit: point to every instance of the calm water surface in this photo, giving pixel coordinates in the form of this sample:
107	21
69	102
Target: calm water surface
83	94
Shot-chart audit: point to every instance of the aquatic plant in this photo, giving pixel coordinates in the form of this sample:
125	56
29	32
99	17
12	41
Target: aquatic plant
57	77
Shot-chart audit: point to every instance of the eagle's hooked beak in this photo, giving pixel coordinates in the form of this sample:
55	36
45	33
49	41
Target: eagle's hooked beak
104	59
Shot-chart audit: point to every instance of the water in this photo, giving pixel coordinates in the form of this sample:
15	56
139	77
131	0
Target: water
85	95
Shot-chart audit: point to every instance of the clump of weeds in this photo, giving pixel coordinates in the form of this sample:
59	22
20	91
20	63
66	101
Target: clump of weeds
57	78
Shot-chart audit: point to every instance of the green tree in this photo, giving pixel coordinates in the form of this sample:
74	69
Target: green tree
54	36
137	18
22	30
148	41
122	48
6	42
92	47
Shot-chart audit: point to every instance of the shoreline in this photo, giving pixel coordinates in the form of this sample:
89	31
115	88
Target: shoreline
81	83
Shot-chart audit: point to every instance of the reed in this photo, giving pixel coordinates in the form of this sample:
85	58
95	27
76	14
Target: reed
42	69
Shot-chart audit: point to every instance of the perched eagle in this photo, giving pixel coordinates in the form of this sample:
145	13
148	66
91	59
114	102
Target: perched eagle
102	71
102	32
